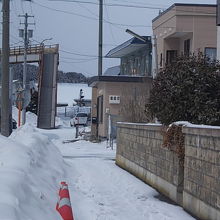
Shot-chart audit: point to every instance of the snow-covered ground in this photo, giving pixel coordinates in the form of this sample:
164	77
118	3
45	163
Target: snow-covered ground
31	168
34	161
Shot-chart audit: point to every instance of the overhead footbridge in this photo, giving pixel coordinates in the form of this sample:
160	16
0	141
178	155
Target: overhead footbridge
47	56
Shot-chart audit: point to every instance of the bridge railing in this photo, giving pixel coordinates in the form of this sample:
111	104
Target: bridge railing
33	49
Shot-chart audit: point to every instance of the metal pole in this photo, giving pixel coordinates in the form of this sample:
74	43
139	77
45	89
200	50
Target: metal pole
77	131
100	37
154	57
218	29
5	102
25	68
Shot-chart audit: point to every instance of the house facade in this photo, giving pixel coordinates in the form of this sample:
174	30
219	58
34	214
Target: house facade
117	88
135	57
185	29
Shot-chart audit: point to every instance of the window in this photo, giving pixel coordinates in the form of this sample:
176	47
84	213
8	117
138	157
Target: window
81	115
114	99
211	53
161	60
142	67
171	56
131	67
187	47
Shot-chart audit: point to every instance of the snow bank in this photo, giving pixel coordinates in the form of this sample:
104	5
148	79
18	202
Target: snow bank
31	168
190	125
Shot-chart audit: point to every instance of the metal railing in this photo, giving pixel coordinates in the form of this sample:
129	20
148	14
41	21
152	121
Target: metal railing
33	49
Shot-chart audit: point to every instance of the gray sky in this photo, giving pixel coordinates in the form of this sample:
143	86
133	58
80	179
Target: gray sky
74	26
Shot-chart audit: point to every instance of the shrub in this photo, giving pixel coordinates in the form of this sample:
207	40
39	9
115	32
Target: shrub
187	90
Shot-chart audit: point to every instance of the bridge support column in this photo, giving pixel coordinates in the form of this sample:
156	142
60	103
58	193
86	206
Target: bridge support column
47	92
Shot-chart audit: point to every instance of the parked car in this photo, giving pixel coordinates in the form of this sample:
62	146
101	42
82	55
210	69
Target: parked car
14	124
79	119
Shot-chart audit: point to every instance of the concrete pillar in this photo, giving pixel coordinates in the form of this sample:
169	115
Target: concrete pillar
47	92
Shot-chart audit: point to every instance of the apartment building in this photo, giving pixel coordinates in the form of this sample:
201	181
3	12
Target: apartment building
185	29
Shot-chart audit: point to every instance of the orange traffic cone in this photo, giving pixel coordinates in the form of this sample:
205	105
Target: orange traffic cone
63	205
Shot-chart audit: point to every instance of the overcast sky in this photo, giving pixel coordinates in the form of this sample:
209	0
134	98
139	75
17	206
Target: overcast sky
74	26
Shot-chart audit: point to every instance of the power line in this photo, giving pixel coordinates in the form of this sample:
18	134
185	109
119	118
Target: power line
79	59
16	12
82	6
112	4
16	43
142	3
108	17
15	8
83	61
135	6
14	37
88	17
31	7
110	45
22	6
118	25
79	54
66	12
32	14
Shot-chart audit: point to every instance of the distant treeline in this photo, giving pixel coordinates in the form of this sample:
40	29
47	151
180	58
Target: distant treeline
32	71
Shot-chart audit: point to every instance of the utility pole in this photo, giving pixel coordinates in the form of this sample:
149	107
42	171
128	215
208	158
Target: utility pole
5	102
218	29
25	34
100	37
81	96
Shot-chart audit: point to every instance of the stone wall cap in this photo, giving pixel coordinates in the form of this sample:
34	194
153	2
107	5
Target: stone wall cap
131	125
204	130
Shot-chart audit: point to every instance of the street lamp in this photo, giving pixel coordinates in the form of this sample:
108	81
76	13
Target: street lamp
136	35
42	42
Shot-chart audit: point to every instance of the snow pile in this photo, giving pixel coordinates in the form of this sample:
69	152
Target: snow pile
182	123
190	125
31	169
30	117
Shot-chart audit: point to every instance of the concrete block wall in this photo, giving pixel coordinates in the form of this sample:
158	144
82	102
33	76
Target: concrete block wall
140	151
201	194
196	185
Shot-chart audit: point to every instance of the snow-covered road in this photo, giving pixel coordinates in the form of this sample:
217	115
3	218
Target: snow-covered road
100	190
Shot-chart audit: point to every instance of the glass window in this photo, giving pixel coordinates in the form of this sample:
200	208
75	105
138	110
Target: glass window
142	66
161	60
131	69
171	56
187	47
147	65
211	53
81	115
